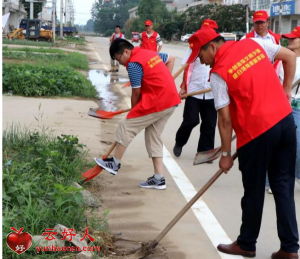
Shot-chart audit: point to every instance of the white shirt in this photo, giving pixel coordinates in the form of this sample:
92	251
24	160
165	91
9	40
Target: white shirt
197	77
297	76
269	38
219	86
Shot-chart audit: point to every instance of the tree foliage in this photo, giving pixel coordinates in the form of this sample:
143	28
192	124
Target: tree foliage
229	17
154	10
106	15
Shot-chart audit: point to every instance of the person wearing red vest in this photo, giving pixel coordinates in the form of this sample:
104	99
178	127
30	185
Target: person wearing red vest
116	35
261	31
200	106
150	39
251	101
153	100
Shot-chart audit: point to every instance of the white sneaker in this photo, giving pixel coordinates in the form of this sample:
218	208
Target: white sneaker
270	191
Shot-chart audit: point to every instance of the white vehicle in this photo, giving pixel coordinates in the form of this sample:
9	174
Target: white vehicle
228	36
185	38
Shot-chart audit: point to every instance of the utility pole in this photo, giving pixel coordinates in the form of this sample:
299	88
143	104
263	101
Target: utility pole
53	18
280	17
61	17
31	9
66	12
247	19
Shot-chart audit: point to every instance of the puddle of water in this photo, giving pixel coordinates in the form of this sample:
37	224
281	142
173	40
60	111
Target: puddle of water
102	81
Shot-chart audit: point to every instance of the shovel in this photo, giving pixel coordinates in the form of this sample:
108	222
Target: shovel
210	155
109	115
147	248
105	114
93	172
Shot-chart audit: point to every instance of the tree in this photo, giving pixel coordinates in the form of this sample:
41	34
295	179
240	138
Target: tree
154	10
229	17
89	25
37	8
107	15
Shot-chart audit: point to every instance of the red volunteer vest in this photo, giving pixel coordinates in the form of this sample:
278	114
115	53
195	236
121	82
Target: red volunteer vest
277	40
257	99
120	36
149	43
158	89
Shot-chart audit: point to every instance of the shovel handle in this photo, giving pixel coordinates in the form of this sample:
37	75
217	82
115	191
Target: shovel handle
188	205
126	110
179	71
110	150
196	92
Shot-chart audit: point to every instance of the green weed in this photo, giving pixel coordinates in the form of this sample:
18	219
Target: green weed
68	59
38	170
31	80
27	43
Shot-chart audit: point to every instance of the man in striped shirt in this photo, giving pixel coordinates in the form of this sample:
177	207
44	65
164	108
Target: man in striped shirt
153	100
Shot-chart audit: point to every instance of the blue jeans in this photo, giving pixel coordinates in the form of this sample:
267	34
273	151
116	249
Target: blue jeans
296	114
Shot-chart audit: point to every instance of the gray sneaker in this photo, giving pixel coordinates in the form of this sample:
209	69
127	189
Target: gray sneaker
108	164
152	183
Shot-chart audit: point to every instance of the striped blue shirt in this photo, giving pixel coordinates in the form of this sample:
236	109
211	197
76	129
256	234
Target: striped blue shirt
136	73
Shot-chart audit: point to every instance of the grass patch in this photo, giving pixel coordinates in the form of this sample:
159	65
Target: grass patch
38	170
39	50
32	80
71	59
27	43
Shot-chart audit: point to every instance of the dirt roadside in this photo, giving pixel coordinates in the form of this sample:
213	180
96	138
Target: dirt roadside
69	116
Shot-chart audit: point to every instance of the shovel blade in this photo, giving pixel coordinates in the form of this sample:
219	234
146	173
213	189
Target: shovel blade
207	156
90	174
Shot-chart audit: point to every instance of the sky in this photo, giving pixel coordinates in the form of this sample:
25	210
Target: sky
82	10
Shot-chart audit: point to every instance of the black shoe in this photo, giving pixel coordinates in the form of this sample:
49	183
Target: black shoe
177	150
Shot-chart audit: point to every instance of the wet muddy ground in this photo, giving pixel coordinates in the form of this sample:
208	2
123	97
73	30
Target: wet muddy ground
104	83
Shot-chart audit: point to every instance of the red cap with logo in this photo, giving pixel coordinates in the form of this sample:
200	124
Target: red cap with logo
148	22
199	39
260	16
207	23
293	35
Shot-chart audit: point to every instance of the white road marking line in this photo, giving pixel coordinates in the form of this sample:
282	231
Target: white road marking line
210	224
206	218
100	59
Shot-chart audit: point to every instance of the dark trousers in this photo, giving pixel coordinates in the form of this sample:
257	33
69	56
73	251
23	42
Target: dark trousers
273	151
192	108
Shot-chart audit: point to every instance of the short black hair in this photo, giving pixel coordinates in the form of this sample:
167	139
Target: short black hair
118	46
118	26
217	39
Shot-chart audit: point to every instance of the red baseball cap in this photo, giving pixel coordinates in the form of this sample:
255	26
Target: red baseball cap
207	23
199	39
148	22
293	35
260	16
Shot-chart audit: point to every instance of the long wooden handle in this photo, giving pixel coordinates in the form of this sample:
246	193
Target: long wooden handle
196	92
126	110
180	70
296	83
188	206
110	150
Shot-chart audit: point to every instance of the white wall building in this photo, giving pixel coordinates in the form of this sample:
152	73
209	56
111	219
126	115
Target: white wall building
17	13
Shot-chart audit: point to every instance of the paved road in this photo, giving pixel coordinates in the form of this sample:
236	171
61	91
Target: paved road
142	214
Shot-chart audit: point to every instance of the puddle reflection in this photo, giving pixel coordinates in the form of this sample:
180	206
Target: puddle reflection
102	82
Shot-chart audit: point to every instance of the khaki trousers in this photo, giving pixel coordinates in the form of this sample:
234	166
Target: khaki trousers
153	124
